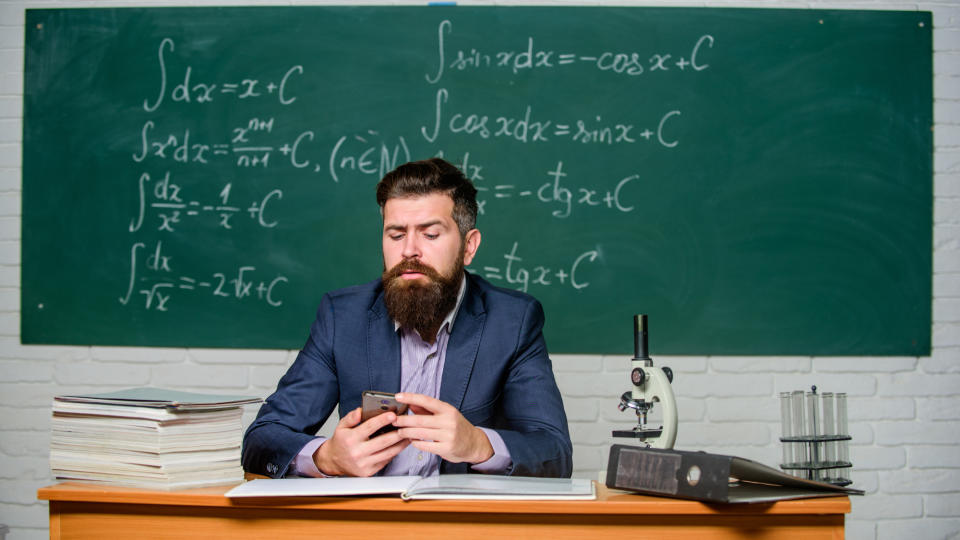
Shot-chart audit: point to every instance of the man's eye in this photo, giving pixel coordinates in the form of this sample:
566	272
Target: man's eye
432	236
396	236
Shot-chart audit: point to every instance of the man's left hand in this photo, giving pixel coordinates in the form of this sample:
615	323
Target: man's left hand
439	428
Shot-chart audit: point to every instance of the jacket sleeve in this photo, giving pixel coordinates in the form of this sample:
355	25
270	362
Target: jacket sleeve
304	398
533	423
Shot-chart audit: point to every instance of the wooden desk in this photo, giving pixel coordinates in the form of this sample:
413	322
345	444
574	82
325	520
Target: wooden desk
87	511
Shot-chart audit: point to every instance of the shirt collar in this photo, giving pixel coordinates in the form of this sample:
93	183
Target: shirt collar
448	320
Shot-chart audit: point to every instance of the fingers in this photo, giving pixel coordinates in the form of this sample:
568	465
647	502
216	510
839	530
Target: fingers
423	402
351	419
371	426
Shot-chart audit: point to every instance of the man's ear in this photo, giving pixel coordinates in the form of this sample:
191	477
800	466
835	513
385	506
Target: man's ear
471	243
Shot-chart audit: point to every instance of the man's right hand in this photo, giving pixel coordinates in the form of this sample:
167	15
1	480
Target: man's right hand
351	451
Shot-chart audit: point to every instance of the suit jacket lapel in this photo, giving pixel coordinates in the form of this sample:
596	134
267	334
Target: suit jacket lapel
383	350
463	346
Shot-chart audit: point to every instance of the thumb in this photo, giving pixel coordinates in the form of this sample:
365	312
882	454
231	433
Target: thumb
351	419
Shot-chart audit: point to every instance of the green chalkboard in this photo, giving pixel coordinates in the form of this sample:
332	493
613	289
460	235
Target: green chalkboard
756	181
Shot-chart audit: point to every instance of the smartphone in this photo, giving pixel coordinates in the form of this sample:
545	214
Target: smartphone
375	403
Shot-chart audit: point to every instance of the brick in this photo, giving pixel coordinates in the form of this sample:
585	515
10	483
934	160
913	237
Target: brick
945	334
946	135
945	39
880	506
25	468
920	481
948	185
590	458
946	236
12	37
25	443
576	363
878	458
24	518
140	355
860	409
25	419
873	364
933	457
9	275
946	87
862	433
10	156
10	179
868	481
265	378
946	211
27	394
597	385
928	527
9	201
943	360
765	409
200	376
237	356
692	435
580	409
11	348
946	310
759	364
102	373
18	371
710	385
858	529
11	129
938	409
593	432
918	384
917	432
945	15
9	324
942	505
679	364
946	161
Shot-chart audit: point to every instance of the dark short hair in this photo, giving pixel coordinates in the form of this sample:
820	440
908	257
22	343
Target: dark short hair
435	175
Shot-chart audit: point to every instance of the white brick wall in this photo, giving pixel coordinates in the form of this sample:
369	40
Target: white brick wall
904	412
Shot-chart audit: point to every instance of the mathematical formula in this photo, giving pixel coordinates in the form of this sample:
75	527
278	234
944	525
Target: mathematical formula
532	57
519	276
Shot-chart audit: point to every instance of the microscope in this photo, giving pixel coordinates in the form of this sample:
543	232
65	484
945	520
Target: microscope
650	385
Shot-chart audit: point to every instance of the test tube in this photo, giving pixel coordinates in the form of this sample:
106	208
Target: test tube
798	429
786	428
829	429
843	450
813	431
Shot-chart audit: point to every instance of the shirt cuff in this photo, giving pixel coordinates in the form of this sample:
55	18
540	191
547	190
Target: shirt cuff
500	461
303	464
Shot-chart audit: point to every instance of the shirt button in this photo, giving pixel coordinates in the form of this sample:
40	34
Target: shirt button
419	457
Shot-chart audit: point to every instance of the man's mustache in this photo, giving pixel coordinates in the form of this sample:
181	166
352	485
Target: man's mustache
412	265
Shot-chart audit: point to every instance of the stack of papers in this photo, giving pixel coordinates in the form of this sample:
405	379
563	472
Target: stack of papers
149	438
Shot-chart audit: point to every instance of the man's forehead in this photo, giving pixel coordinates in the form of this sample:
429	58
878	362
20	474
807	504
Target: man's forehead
418	209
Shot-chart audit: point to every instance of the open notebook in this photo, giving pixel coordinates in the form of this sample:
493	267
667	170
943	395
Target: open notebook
449	486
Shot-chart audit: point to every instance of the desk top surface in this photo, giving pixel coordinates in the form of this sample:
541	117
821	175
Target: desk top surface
609	501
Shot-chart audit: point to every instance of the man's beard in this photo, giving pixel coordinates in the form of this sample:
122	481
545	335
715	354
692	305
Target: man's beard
418	305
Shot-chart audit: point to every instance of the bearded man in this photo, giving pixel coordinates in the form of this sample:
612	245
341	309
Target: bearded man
467	357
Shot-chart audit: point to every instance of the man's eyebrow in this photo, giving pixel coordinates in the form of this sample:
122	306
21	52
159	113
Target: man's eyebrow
424	225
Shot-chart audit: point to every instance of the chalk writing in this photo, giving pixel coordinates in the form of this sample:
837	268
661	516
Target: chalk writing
527	128
157	290
191	91
521	277
532	57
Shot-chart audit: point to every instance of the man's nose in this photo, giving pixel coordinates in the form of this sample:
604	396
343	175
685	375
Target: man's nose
411	247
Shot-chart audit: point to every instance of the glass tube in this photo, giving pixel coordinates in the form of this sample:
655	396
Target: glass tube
829	427
843	450
786	428
799	428
813	430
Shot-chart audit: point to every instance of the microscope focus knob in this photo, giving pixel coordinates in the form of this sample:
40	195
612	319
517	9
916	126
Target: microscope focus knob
637	376
668	372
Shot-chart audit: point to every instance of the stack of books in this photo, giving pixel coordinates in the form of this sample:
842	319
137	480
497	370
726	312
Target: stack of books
148	438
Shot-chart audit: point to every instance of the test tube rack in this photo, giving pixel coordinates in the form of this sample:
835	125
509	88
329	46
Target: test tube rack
815	445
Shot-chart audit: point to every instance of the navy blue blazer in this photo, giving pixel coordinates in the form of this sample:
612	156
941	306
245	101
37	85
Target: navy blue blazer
497	373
